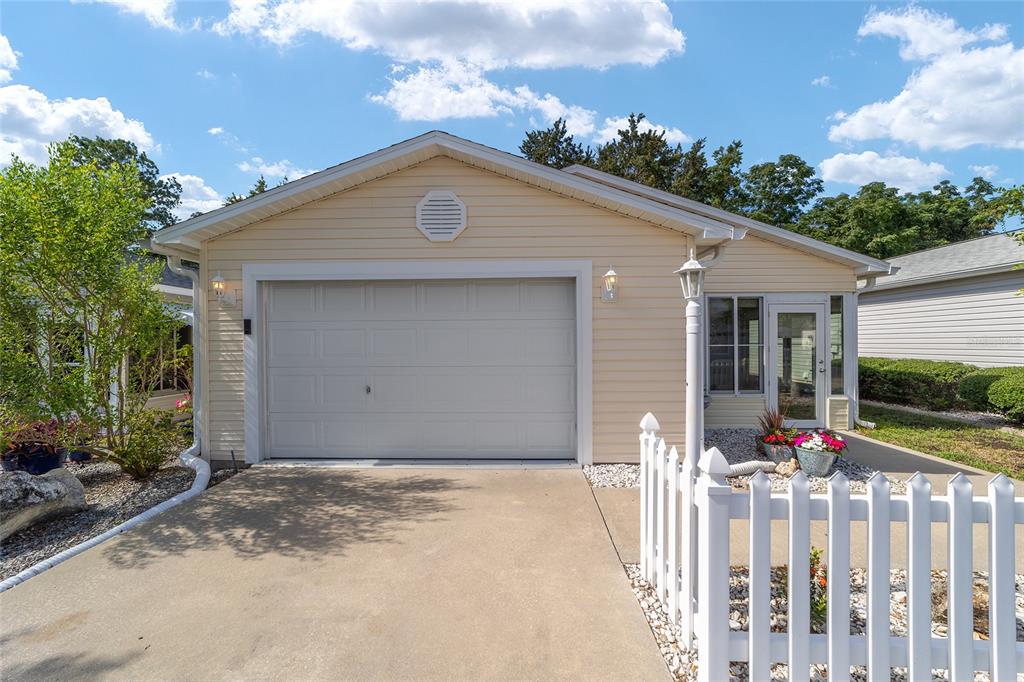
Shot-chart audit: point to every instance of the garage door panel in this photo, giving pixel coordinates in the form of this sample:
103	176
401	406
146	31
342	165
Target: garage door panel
455	369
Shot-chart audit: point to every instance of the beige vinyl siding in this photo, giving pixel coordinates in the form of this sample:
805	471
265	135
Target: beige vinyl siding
638	360
838	412
757	266
733	411
977	320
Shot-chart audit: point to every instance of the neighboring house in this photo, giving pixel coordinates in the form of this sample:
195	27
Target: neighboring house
442	299
171	388
957	302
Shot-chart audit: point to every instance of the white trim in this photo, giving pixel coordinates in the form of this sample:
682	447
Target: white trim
945	276
415	150
252	308
171	290
867	264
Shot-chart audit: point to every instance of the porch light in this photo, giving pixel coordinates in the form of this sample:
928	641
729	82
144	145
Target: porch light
610	291
691	277
218	285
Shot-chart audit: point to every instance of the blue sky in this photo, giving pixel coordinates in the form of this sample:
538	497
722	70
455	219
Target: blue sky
218	93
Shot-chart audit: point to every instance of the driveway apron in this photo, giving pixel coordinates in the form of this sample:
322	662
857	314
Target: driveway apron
334	573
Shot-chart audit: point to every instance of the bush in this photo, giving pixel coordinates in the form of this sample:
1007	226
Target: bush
974	387
1006	393
150	440
922	383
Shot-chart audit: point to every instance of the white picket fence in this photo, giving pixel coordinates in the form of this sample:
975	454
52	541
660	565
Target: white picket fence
685	510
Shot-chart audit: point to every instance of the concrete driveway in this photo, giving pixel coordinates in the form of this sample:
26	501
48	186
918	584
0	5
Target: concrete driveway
305	573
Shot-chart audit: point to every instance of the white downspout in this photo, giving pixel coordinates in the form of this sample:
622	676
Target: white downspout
190	458
855	352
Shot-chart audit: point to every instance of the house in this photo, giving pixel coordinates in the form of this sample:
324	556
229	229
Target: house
171	386
440	299
956	302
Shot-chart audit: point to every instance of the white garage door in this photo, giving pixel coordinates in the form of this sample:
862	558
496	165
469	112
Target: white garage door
421	369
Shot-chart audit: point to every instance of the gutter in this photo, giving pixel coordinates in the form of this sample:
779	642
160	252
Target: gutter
869	284
190	458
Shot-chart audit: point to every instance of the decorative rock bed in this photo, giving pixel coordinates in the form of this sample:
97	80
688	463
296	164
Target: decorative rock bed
112	498
738	446
682	663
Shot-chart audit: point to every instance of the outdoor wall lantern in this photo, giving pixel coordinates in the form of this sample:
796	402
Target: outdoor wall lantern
610	290
226	299
691	277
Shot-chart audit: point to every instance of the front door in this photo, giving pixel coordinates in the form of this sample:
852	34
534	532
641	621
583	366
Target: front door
798	372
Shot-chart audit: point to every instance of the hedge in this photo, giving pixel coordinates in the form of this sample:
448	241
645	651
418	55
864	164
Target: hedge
937	385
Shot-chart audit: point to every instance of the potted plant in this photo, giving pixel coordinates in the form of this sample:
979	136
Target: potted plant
817	451
775	439
35	447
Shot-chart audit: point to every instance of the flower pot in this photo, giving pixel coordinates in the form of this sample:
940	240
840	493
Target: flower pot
815	463
79	456
759	445
777	452
9	461
34	459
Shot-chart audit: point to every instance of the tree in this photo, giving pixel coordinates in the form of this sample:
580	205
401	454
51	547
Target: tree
640	156
163	194
75	304
778	191
691	180
725	180
258	188
555	147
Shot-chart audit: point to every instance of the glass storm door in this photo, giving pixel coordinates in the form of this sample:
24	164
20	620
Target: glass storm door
797	363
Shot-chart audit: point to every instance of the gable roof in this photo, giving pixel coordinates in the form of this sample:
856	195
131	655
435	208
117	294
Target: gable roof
711	226
187	235
971	258
865	265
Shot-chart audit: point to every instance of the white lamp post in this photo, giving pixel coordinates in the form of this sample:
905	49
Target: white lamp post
691	277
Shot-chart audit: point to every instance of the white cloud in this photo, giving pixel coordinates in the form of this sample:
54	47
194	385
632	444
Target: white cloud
459	90
960	97
909	174
539	34
610	130
215	131
274	169
988	171
159	13
823	81
924	33
196	195
8	59
206	74
32	120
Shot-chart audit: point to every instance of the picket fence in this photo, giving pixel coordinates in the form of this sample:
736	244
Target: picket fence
685	513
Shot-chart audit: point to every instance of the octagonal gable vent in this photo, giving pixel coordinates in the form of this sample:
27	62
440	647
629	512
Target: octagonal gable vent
441	216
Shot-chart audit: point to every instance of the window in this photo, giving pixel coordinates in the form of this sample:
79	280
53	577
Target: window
735	344
160	372
836	343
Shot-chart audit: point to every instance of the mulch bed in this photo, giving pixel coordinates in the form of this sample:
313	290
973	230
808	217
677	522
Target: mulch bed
113	498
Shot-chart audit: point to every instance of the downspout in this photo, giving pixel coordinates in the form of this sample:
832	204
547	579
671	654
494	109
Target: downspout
190	458
868	286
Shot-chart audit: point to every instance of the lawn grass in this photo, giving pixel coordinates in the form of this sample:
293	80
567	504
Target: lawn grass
983	447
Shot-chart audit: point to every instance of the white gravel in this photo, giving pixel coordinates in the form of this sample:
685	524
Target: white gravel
682	663
112	496
738	446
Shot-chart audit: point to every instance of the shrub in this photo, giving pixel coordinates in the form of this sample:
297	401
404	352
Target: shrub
922	383
1006	393
974	387
150	440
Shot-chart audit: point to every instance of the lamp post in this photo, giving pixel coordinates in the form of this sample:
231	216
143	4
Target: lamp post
691	278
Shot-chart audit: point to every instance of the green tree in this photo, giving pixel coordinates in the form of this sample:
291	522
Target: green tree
555	147
725	179
691	180
778	191
163	194
75	304
258	188
640	156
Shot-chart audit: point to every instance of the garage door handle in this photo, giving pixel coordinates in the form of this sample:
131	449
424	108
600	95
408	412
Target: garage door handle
367	389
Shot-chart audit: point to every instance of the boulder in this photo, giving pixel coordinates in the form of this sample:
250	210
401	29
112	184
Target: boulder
787	468
26	500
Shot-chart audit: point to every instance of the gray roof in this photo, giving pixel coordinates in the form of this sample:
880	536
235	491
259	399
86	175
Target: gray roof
994	253
173	279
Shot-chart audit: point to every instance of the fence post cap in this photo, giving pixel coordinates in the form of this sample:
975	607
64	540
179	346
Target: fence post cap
713	462
959	484
1001	484
919	482
650	423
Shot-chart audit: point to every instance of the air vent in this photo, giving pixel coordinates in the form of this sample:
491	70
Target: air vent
441	216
